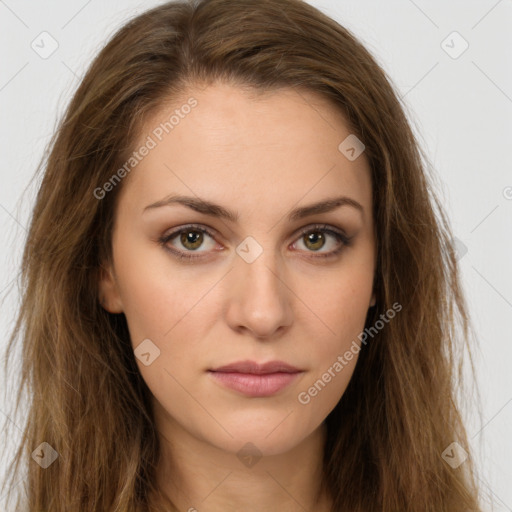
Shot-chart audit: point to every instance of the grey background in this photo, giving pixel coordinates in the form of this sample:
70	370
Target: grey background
461	108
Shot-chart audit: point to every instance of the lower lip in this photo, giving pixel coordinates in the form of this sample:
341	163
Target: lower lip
255	385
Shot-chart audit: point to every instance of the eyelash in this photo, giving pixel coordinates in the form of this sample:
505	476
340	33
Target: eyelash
323	228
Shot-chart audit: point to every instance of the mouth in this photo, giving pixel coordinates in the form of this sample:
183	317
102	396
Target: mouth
257	368
256	380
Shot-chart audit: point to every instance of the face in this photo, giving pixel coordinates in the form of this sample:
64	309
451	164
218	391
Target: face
267	280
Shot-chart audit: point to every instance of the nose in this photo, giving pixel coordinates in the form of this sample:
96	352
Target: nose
259	298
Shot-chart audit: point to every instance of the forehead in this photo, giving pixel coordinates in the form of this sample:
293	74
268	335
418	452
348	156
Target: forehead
271	148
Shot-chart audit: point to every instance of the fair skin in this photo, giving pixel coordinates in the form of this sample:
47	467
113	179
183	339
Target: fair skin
261	157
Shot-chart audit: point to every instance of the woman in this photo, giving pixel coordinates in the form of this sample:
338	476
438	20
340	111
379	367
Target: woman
239	288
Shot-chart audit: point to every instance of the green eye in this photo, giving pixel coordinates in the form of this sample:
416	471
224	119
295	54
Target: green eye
192	237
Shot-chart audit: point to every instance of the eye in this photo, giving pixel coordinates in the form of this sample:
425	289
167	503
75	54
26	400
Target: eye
192	237
316	237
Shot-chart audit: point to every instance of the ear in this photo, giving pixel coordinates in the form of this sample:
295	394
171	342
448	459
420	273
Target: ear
373	301
108	292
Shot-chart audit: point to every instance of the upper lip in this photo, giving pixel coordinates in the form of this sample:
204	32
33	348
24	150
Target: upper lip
256	368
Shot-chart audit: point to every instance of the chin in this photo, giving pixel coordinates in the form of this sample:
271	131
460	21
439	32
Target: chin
264	439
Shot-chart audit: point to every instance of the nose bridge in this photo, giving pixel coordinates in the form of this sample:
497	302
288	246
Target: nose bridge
260	299
262	276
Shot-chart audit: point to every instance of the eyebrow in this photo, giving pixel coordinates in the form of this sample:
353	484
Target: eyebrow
216	210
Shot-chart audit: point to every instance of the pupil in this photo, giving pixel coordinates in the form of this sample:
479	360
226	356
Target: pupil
191	237
314	238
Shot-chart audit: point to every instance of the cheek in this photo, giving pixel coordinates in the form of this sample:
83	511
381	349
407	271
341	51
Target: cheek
172	315
339	304
155	297
149	306
332	343
340	308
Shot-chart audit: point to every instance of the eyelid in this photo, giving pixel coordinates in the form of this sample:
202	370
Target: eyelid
322	227
191	227
301	231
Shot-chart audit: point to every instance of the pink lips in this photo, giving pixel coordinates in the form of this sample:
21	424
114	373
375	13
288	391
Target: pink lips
256	380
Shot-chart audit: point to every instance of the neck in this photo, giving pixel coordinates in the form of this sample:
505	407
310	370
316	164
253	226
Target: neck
198	476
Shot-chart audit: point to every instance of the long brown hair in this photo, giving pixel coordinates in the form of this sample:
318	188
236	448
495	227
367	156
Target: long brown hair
387	434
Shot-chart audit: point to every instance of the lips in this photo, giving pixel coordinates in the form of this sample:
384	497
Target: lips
256	380
256	368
